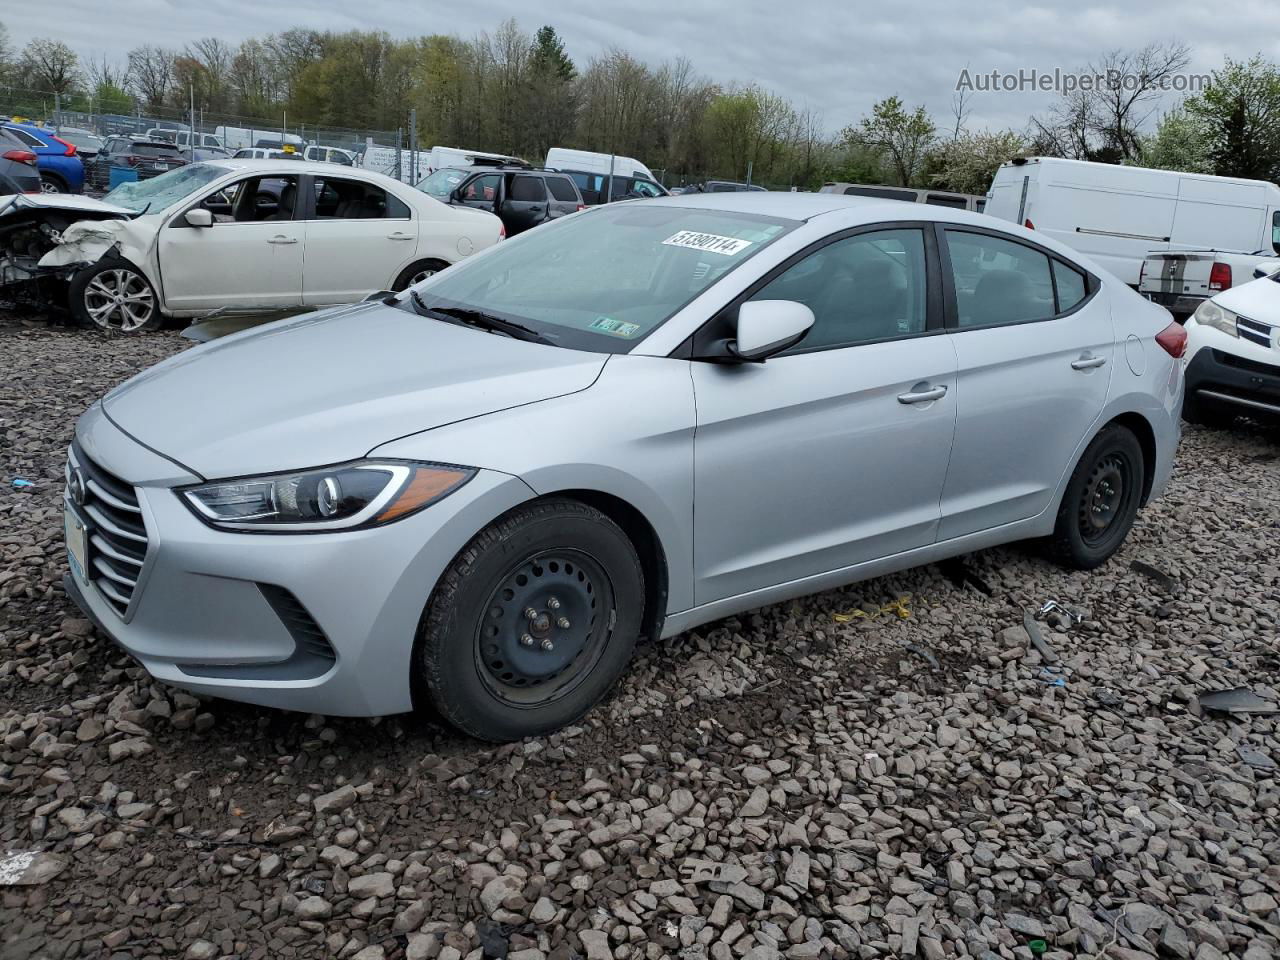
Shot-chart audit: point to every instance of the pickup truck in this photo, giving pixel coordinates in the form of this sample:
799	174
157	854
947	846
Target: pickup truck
1181	281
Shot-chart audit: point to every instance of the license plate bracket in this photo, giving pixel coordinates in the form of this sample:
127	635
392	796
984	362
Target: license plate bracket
77	539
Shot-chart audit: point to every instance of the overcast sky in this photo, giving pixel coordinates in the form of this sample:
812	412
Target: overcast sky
836	56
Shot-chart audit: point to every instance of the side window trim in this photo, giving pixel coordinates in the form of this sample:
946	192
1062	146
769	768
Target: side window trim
720	326
950	304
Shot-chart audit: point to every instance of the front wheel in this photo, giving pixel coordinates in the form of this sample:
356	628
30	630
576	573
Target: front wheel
416	273
1101	500
532	623
113	295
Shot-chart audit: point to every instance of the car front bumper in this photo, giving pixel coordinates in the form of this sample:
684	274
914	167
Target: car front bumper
323	623
1231	372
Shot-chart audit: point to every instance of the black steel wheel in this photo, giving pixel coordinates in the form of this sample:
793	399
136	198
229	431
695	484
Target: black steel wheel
1101	500
532	623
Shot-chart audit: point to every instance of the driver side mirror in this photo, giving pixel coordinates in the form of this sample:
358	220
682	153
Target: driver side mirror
199	217
1267	268
767	327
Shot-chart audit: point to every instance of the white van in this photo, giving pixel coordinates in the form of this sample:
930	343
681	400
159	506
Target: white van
327	154
237	138
1118	215
558	158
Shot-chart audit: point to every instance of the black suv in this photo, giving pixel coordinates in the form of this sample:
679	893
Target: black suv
522	197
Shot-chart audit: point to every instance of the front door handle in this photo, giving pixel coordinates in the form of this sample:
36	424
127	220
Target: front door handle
923	396
280	238
1088	363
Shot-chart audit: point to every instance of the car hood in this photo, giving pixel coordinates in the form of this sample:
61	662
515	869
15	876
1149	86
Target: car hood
61	201
1258	300
328	387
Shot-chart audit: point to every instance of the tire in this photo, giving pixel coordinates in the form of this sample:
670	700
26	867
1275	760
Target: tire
1101	500
1196	411
52	183
497	674
92	289
417	272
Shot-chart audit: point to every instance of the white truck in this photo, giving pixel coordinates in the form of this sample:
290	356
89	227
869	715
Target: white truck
1119	215
238	138
1181	281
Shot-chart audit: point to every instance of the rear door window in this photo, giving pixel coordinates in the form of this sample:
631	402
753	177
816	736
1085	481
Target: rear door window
998	281
482	189
527	189
340	199
562	189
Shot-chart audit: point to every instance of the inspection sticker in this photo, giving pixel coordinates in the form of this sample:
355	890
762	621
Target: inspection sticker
619	328
710	242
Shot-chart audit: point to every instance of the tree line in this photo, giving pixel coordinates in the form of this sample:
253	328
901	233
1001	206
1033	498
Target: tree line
520	93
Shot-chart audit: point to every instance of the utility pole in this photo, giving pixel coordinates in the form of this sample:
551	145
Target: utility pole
413	145
191	118
57	112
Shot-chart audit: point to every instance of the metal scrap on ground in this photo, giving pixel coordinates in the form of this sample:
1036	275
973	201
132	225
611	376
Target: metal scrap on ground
1043	647
1238	700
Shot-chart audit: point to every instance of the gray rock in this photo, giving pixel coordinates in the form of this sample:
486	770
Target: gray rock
371	885
337	801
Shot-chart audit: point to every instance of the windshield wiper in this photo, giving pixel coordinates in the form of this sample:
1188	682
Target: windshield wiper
481	320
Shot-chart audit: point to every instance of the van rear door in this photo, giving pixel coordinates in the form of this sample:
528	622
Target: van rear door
1218	214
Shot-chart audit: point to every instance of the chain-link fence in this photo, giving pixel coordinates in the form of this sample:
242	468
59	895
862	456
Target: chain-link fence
119	142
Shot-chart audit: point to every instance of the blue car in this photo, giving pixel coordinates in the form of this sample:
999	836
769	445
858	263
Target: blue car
61	170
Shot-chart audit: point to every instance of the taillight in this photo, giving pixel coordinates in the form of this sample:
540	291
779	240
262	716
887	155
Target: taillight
71	147
1174	340
1220	277
1028	224
20	156
502	231
581	207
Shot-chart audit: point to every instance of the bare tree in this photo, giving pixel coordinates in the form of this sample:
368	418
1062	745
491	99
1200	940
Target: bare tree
960	109
52	64
1134	83
151	73
103	73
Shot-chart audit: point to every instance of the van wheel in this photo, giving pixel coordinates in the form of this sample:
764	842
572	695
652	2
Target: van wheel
533	622
416	273
1101	501
114	295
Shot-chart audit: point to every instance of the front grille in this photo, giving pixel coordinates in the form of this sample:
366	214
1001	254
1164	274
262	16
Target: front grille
1254	331
118	535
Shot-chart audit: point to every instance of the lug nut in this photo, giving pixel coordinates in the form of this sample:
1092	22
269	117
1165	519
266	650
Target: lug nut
563	623
526	640
553	603
530	613
548	646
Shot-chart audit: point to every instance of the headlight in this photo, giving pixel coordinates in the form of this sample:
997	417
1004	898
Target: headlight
1209	314
361	494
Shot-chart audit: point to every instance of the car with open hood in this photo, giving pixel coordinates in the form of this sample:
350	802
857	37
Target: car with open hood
481	493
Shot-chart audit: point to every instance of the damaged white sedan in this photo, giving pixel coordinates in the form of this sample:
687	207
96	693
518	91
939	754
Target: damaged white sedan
230	235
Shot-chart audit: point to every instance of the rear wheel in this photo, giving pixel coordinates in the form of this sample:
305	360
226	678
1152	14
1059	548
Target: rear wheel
1101	500
532	623
114	295
417	272
52	183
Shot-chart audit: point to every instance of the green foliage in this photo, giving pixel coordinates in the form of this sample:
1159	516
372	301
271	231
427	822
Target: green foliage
1239	116
903	136
1179	143
967	163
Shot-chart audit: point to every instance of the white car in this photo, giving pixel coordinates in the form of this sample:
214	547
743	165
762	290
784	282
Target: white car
250	235
1232	363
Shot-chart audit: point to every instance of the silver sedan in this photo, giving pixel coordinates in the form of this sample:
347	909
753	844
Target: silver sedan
478	495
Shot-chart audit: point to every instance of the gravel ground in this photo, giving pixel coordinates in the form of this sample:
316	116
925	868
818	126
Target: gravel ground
885	770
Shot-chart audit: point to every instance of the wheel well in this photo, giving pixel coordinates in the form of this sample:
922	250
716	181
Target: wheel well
1137	424
54	176
653	558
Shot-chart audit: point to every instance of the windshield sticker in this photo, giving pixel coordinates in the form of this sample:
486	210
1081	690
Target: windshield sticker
619	328
709	242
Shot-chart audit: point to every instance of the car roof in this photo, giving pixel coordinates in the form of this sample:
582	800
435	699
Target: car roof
275	165
807	206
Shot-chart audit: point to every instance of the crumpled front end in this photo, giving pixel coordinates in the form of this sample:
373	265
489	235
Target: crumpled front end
44	242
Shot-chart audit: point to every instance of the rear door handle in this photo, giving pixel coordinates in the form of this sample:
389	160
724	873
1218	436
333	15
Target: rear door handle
923	396
1088	363
282	239
399	236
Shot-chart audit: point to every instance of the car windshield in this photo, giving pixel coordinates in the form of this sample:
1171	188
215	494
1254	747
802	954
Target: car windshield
159	192
606	279
443	182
